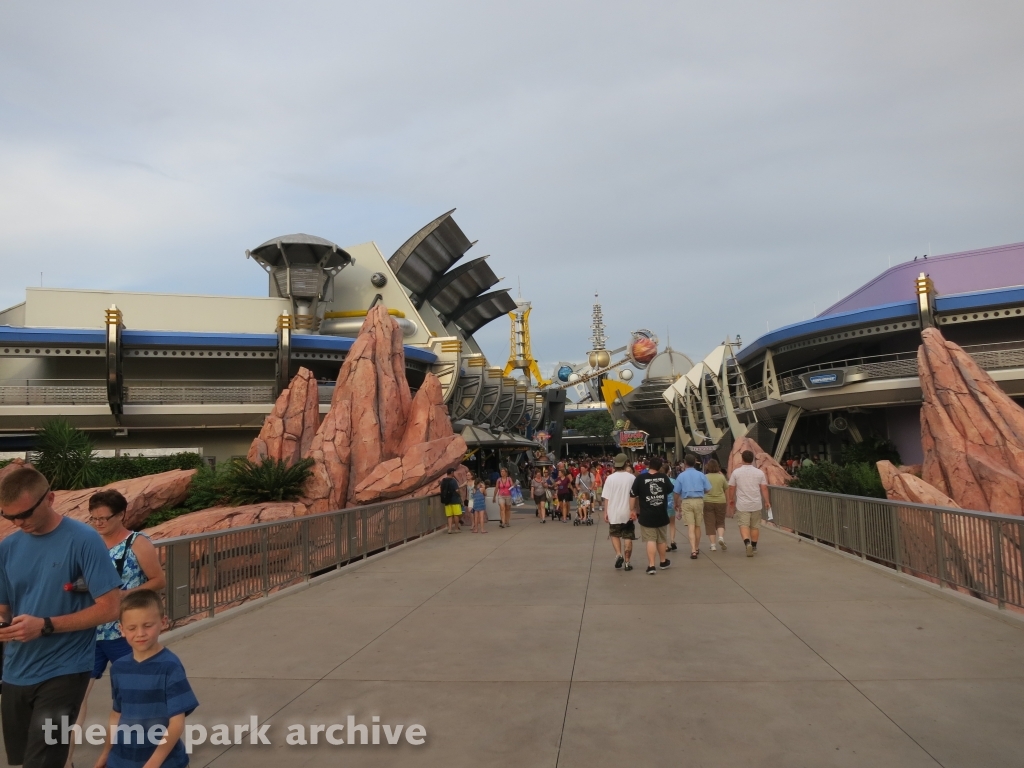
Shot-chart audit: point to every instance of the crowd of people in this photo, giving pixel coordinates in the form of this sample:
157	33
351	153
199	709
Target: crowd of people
650	493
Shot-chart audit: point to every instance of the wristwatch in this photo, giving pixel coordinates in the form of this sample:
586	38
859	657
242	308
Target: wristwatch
47	627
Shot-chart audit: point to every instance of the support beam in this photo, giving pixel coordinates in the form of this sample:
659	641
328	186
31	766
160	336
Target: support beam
771	381
115	370
787	430
284	354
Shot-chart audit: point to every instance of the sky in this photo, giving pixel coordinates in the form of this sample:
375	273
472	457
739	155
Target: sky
710	169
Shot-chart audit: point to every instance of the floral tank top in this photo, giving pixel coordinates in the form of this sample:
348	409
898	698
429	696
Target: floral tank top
131	576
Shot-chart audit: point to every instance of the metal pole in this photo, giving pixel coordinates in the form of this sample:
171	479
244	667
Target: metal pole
835	523
997	561
940	549
860	531
387	525
265	558
894	520
304	542
339	538
211	575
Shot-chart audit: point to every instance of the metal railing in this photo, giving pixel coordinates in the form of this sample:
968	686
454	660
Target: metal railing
978	553
221	569
991	357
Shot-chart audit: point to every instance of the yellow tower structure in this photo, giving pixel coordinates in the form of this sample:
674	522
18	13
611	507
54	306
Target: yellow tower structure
520	356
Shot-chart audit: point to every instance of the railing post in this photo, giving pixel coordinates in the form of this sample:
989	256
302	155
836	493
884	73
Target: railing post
304	542
940	549
814	523
997	561
265	559
211	574
387	526
339	539
894	520
835	523
861	535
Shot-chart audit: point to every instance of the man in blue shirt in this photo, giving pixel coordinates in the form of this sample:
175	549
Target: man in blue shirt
688	491
49	631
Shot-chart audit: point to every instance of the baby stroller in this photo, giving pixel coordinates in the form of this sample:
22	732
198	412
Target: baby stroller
583	503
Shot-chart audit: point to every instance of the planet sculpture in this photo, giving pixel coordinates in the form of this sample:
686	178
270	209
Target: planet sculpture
564	373
626	374
643	348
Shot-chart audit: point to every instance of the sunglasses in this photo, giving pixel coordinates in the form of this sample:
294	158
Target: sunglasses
28	512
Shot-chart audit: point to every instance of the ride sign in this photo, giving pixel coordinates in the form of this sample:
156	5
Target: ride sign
632	438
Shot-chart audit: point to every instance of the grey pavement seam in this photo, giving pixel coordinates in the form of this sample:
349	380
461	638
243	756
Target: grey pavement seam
575	654
826	661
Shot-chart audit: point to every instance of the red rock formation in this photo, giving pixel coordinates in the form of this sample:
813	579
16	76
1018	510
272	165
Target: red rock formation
288	431
904	486
420	465
145	495
762	460
428	416
220	518
331	451
971	431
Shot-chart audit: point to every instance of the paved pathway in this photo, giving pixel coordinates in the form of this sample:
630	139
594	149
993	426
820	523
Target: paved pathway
525	648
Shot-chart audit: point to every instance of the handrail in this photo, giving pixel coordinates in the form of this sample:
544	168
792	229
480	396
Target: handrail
978	553
220	569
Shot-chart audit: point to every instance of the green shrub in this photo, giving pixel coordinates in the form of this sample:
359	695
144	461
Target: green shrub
857	479
65	456
270	480
114	468
597	424
870	450
5	462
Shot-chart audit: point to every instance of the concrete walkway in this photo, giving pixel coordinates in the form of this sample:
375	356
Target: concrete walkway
524	647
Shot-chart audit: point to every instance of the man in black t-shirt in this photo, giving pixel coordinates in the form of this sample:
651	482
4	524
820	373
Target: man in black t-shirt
649	499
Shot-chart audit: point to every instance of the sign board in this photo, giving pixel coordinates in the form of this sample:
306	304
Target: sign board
632	438
701	450
824	379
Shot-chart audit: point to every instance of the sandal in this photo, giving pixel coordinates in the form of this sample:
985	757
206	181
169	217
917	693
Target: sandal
693	555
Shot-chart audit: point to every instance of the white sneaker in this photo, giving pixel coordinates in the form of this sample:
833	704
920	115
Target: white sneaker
721	543
712	547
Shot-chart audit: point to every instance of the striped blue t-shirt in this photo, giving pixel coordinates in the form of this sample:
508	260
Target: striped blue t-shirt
148	693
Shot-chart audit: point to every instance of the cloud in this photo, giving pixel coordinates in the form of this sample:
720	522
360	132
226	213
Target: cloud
709	169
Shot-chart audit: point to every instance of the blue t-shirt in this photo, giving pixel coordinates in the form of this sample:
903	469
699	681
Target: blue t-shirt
148	693
691	484
33	572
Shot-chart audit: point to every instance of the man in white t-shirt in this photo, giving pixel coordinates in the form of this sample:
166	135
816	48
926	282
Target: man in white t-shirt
617	514
748	495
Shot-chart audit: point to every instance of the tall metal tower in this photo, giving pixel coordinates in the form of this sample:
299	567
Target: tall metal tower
598	357
520	357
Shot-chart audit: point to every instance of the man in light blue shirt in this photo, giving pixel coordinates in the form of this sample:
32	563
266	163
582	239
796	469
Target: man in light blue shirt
688	493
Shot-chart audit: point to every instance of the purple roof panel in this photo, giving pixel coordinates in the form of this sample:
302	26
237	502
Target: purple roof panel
980	270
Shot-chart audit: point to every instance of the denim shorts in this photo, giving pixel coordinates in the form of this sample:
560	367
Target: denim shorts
108	651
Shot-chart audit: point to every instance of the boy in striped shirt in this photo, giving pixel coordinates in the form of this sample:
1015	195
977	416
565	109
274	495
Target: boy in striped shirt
151	693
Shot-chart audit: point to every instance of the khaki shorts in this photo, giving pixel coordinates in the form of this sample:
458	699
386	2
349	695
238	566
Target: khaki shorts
622	530
714	517
748	519
692	511
659	535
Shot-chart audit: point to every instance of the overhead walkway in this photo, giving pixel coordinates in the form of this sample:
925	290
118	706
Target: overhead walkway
525	648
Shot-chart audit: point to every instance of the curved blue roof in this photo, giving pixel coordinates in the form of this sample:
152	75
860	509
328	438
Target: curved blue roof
56	336
136	339
822	324
898	310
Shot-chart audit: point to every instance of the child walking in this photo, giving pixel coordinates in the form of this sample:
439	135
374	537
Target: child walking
150	690
480	508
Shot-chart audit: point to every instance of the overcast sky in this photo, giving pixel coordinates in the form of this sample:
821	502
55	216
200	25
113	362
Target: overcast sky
711	168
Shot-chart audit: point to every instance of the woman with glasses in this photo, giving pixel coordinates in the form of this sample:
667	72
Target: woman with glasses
138	565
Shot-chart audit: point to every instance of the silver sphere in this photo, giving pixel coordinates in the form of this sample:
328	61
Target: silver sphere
626	375
378	279
574	378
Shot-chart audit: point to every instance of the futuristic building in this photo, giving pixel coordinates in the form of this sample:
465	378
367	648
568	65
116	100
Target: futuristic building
141	370
851	371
